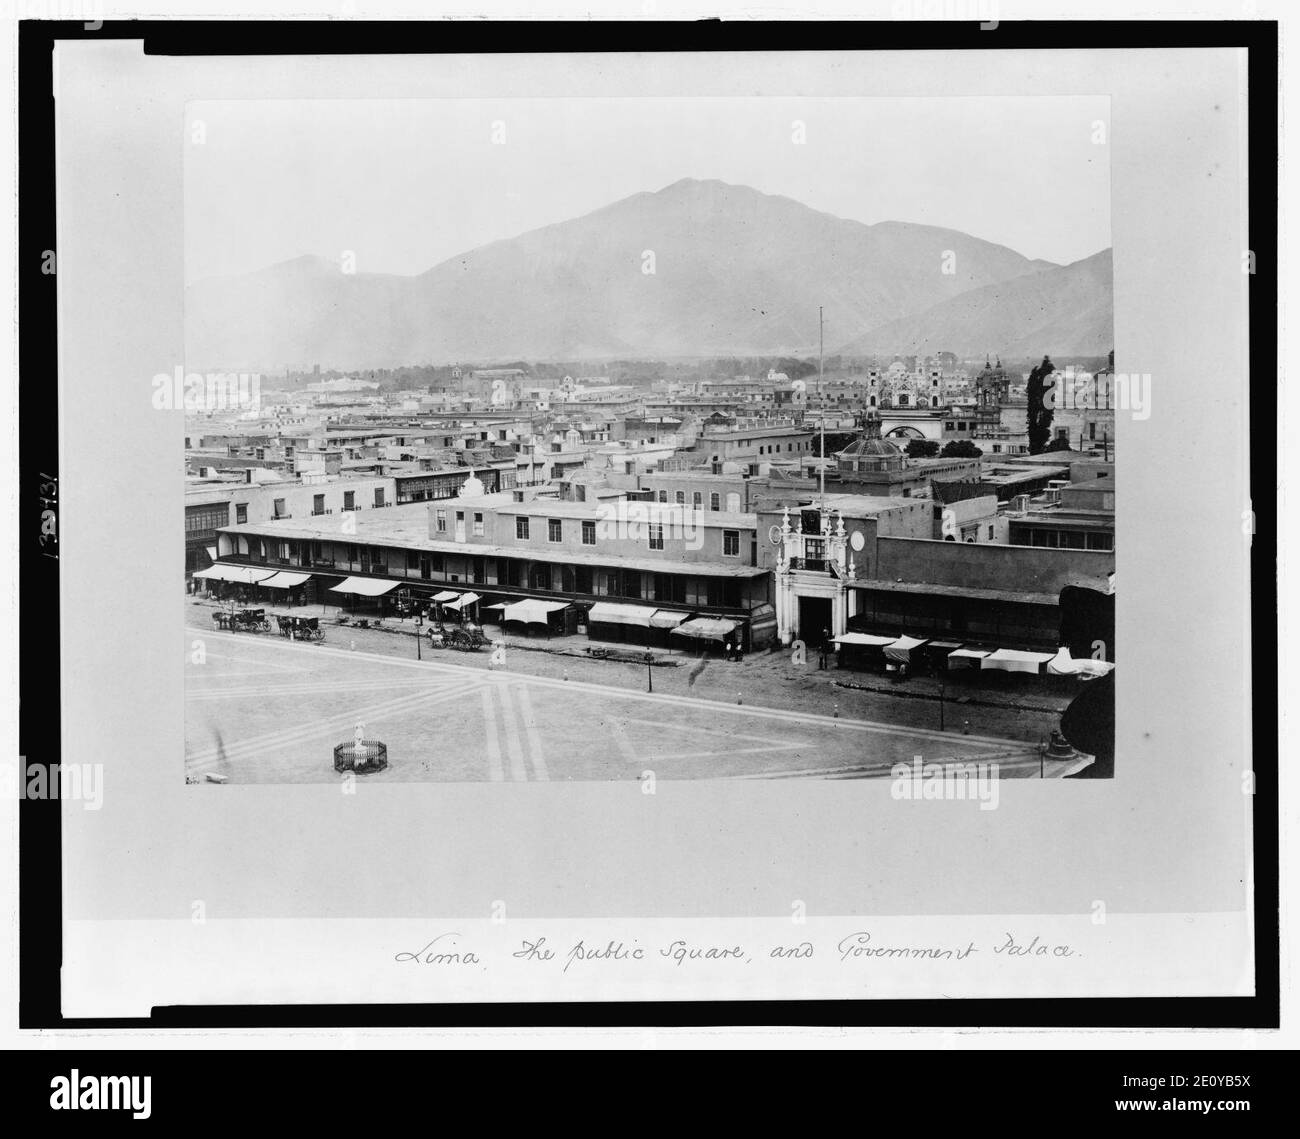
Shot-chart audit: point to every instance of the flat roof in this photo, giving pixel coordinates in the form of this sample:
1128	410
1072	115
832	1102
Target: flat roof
407	527
967	591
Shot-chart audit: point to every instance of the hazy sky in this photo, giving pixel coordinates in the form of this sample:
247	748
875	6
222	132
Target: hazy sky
406	184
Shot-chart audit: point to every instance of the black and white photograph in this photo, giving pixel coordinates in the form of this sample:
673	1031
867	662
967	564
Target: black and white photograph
639	439
521	527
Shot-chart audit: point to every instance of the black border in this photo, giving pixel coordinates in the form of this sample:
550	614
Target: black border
40	863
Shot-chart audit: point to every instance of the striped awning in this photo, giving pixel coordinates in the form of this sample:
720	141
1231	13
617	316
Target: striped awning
284	580
245	575
364	586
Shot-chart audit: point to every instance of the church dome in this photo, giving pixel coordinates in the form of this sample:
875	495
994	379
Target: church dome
872	454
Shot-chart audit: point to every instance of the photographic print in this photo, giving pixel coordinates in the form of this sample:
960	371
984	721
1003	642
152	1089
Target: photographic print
629	526
650	438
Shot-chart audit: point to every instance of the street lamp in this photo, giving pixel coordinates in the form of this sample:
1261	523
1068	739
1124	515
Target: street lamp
649	672
1042	754
419	622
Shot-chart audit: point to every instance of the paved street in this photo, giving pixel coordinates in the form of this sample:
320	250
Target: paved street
265	709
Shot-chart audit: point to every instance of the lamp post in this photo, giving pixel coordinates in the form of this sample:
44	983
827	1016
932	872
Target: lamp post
419	623
649	673
1042	755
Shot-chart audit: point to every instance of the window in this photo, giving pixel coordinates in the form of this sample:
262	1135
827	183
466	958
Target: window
278	508
697	500
680	498
478	525
521	529
318	504
731	543
554	530
656	536
715	501
663	496
241	512
379	496
349	500
588	533
440	523
990	533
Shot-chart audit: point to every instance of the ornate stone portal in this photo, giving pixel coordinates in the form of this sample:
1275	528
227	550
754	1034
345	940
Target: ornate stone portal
814	563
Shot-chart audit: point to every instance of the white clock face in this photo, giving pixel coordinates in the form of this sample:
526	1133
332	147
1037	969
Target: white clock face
857	541
774	535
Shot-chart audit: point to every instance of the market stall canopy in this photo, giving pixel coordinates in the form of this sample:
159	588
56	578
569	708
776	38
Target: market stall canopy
606	613
532	612
1064	665
463	600
1015	660
901	649
706	628
667	618
966	658
284	580
868	639
246	575
445	596
365	586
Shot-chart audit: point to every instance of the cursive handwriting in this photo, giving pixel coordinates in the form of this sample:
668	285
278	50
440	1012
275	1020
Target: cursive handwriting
445	954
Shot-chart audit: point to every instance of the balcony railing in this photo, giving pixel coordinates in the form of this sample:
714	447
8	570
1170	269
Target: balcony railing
818	565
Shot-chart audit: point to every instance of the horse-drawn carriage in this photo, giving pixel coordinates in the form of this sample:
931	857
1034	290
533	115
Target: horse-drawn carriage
466	638
301	628
242	620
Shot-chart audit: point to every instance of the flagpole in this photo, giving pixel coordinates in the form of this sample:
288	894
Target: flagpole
821	467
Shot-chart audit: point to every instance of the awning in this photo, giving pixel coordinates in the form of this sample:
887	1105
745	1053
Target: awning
901	649
532	612
445	596
607	613
1014	660
365	586
246	575
1064	665
864	639
284	580
212	552
706	628
667	618
459	604
966	658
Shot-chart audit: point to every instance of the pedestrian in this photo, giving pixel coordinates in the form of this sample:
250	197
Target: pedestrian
740	652
726	651
821	654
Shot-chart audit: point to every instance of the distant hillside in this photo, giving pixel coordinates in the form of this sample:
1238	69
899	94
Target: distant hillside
1062	311
736	272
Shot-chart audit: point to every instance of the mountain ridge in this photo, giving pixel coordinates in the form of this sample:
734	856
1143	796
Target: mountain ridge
696	268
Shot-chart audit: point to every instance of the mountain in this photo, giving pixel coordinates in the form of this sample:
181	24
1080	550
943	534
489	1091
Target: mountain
735	272
1062	311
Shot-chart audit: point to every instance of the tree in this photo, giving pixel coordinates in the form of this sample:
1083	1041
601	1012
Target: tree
1039	409
960	449
1059	444
922	448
